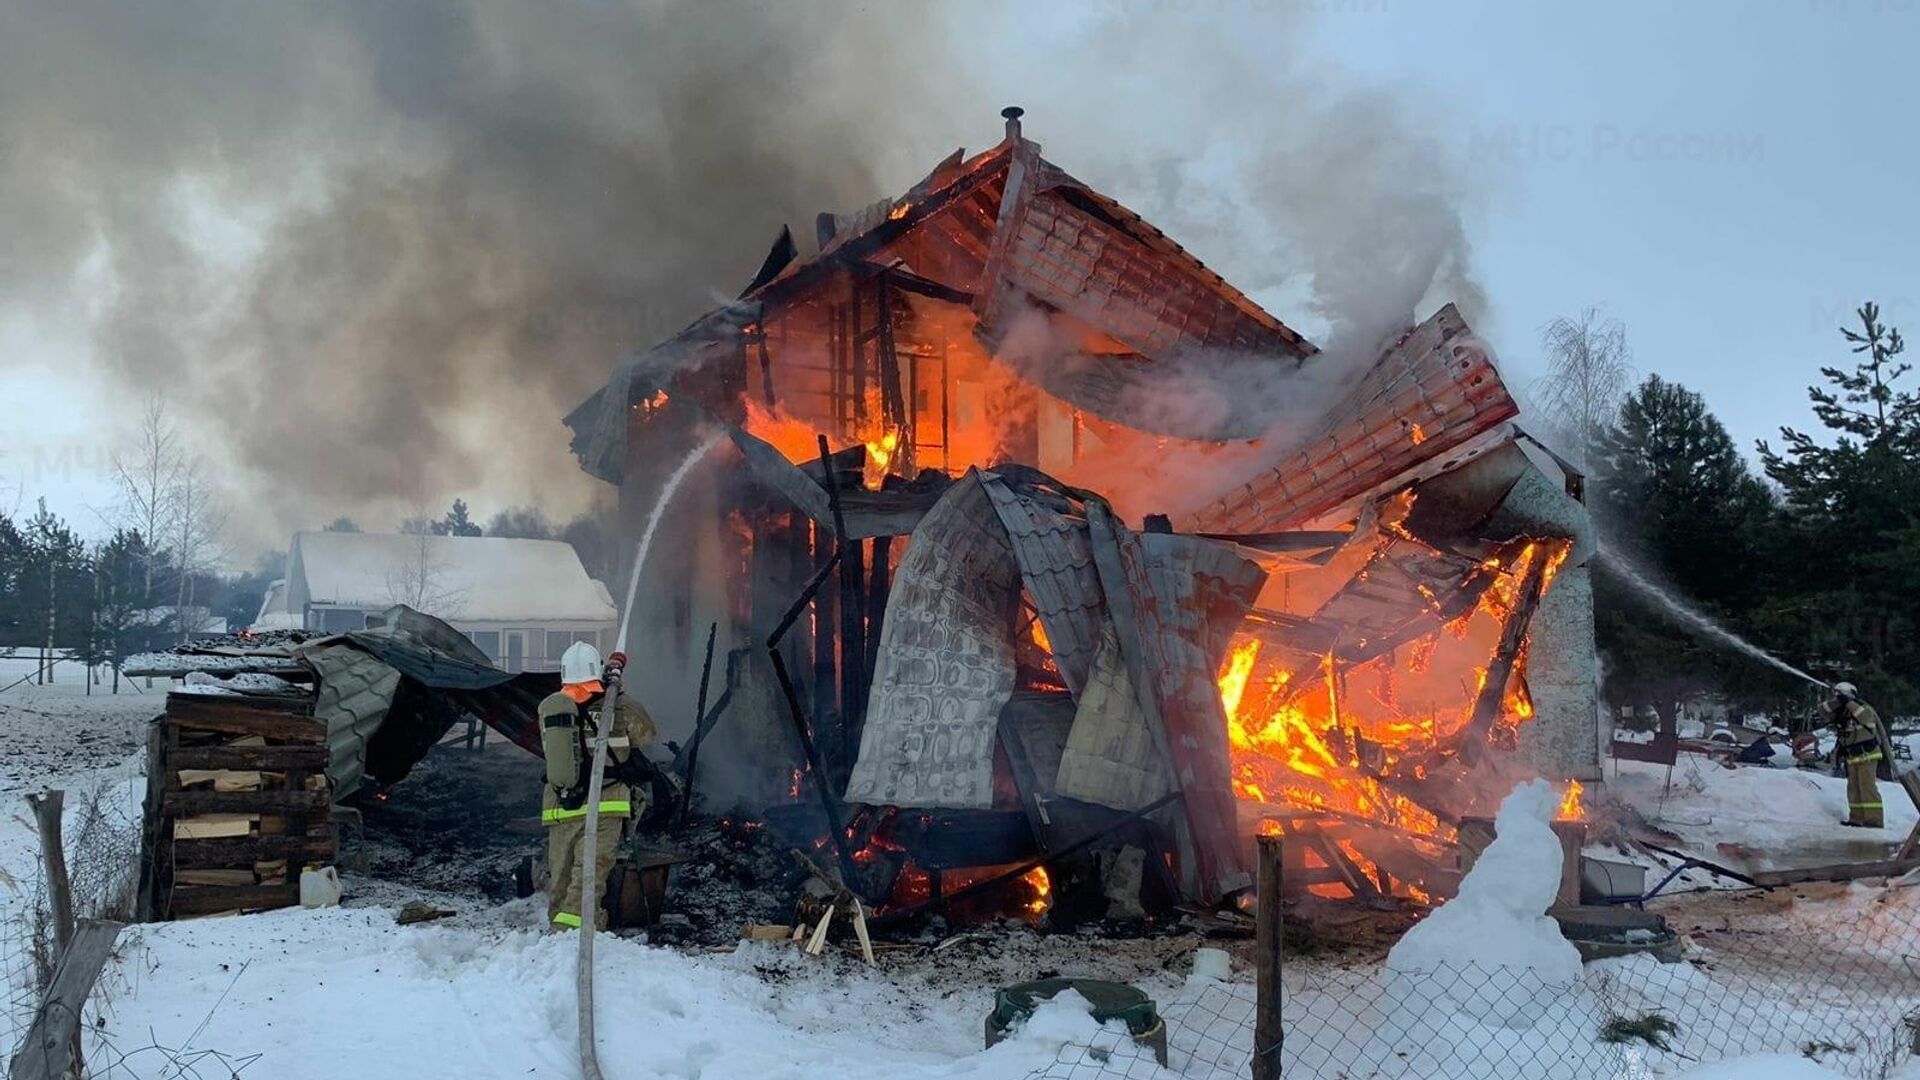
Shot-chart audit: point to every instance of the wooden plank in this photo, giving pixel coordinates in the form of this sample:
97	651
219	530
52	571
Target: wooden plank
205	900
179	704
214	826
184	876
193	803
1513	635
227	779
1351	875
246	851
47	1049
1839	872
1267	1031
287	729
264	758
154	827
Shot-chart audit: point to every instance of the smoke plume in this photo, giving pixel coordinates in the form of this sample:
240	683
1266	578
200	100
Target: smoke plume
378	250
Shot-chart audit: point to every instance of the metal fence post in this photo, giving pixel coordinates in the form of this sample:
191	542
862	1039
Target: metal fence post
1267	1033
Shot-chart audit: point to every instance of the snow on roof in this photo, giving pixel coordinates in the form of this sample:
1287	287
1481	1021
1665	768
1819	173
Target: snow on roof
273	613
198	620
459	578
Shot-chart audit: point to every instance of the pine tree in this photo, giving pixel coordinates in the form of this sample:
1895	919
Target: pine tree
1851	521
120	564
456	522
13	568
1672	495
521	522
53	585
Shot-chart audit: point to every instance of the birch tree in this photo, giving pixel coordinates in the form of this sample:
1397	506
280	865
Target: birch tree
1589	368
195	522
147	475
423	581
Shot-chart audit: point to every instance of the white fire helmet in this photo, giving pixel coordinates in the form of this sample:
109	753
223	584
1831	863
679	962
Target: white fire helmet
1846	690
580	663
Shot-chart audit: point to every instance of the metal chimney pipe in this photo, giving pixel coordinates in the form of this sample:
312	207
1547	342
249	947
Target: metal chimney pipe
1013	114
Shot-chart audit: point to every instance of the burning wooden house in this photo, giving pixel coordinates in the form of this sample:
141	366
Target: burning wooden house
949	658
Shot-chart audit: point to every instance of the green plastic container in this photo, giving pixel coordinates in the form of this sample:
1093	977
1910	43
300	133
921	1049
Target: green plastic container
1012	1005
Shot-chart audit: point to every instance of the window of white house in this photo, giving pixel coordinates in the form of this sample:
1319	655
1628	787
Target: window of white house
488	641
339	620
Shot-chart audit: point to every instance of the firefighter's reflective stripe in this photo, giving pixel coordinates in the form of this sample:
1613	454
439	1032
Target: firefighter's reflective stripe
1867	805
568	920
621	806
1865	758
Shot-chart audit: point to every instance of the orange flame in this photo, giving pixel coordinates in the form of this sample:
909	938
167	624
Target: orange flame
1570	808
880	451
1325	736
1042	886
795	439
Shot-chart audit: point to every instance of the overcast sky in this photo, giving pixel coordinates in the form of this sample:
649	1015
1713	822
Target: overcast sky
1728	179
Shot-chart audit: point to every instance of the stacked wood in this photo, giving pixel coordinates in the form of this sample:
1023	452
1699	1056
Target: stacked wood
237	805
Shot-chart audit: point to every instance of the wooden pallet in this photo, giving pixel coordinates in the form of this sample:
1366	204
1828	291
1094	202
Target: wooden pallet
237	805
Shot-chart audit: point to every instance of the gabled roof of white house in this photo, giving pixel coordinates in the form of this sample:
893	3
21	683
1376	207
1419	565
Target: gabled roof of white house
273	613
457	578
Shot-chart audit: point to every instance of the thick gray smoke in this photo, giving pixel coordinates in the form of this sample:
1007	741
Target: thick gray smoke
380	248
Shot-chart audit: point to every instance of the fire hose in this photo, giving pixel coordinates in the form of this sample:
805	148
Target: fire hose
589	869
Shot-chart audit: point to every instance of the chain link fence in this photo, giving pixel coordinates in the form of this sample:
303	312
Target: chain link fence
102	846
1843	990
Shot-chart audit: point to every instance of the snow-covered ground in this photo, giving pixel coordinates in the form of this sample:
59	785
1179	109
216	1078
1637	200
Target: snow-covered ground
345	992
1755	817
61	730
320	994
299	994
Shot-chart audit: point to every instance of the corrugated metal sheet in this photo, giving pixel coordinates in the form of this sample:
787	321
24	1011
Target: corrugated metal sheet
771	467
1175	600
1430	396
355	692
945	665
1189	595
398	687
1056	565
1111	757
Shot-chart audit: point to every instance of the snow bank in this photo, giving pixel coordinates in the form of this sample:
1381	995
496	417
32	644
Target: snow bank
345	992
1780	817
1492	948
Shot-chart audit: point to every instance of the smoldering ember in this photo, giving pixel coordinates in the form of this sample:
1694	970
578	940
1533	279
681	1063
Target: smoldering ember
1013	623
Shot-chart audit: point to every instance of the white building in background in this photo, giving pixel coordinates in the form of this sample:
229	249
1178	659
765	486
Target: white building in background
521	601
190	623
